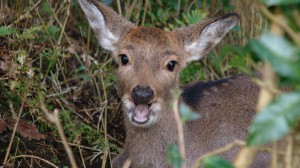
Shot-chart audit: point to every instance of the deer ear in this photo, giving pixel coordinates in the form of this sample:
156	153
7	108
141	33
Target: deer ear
107	25
200	39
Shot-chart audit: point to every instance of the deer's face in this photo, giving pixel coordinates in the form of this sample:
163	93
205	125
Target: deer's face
149	61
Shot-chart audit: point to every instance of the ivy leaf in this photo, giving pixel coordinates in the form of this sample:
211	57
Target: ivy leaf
280	53
187	114
216	162
275	120
173	156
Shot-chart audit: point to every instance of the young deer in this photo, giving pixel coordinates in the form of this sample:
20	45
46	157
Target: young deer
150	60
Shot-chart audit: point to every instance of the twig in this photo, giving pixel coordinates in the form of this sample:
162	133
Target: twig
180	131
127	163
119	7
289	152
64	24
16	124
54	118
145	11
178	8
128	13
104	125
35	157
245	157
81	156
81	146
261	84
218	151
274	155
58	21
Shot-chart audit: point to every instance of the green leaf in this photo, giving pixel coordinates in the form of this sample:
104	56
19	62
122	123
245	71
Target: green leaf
187	114
195	16
85	77
279	2
216	162
5	30
53	30
282	55
276	120
29	33
173	156
216	61
46	8
193	72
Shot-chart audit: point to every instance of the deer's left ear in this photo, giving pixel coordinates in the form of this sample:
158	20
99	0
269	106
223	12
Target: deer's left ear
200	39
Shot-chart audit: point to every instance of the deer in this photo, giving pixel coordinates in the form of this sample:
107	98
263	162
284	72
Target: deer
149	60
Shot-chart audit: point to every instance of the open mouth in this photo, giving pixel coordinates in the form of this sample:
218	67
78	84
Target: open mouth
141	113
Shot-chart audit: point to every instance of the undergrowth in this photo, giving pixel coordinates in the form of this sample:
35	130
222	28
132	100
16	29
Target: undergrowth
48	52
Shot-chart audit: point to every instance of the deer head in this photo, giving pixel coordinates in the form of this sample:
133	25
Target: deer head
150	59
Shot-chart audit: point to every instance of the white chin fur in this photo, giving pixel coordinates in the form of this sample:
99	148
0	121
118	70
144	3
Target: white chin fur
129	105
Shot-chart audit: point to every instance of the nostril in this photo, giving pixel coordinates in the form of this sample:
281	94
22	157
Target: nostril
142	95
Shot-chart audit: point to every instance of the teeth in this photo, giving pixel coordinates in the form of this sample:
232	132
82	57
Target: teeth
140	121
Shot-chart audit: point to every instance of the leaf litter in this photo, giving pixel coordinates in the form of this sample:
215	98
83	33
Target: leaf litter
25	129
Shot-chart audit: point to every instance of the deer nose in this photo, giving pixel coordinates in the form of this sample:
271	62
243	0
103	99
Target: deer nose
142	95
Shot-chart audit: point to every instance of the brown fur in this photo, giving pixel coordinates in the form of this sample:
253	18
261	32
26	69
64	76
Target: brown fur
226	106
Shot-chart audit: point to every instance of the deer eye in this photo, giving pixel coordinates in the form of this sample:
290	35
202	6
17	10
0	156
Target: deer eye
124	59
171	65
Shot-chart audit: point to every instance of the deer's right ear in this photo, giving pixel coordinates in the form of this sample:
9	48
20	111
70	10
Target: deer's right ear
107	25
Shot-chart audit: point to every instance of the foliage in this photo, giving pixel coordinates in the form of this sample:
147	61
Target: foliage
276	120
280	53
50	49
4	30
173	156
193	72
216	162
25	35
281	116
279	2
186	114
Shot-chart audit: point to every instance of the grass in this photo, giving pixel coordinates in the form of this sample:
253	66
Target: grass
49	55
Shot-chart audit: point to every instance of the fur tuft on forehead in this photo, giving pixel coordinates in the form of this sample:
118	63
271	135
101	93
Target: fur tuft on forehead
149	35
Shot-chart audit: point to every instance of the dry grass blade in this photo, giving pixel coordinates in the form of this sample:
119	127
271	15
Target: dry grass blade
35	157
54	118
26	14
16	124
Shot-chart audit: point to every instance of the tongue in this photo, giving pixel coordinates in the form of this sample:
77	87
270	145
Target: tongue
141	113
